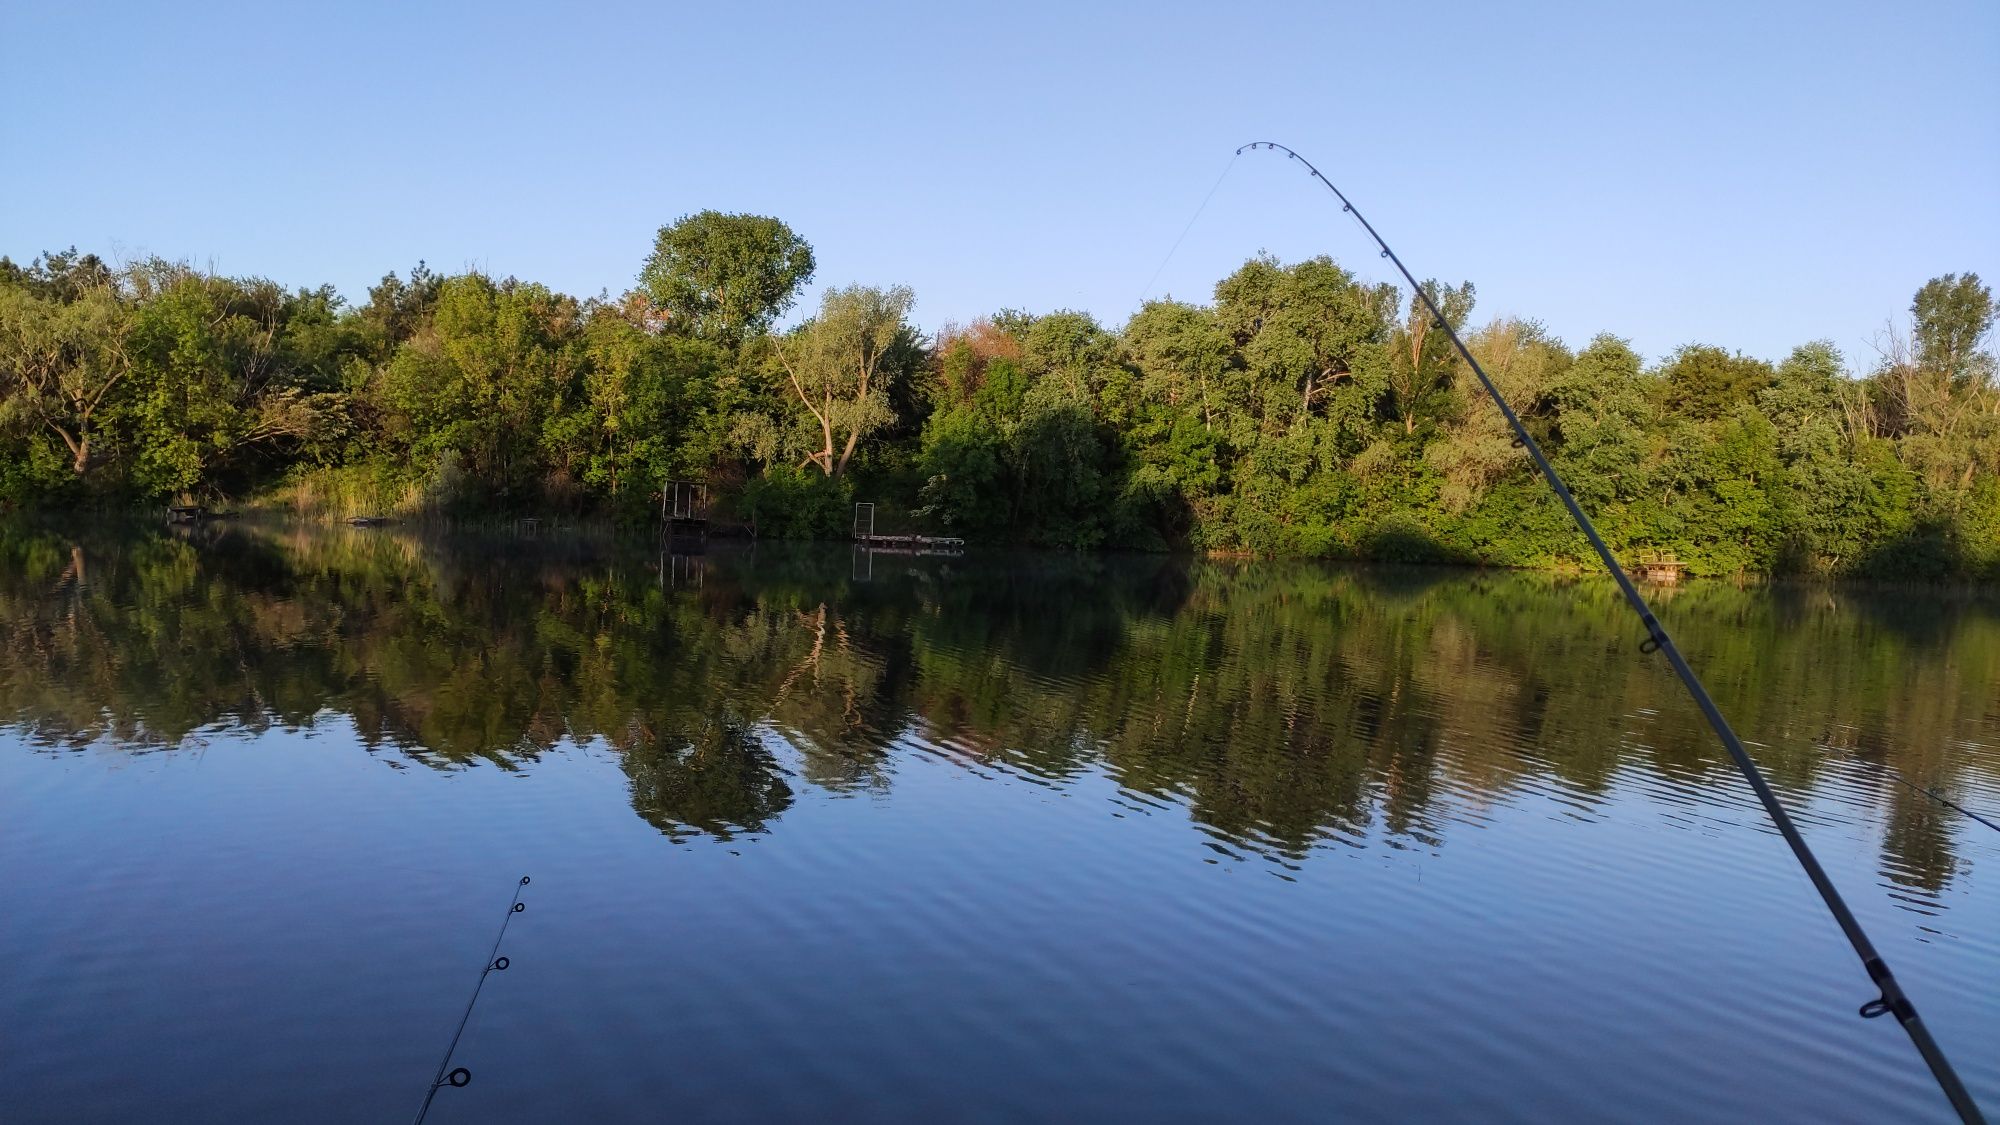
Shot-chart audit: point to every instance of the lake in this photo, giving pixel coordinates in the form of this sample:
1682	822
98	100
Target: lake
829	835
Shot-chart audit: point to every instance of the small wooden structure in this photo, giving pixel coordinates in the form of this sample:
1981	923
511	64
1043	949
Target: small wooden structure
1658	566
684	511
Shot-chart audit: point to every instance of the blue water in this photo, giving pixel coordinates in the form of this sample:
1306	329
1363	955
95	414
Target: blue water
899	839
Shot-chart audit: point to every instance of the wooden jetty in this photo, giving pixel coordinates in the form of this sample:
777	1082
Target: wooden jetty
195	513
865	535
912	544
1659	567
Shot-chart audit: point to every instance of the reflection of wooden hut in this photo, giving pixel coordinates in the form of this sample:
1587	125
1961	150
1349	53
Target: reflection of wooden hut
1658	566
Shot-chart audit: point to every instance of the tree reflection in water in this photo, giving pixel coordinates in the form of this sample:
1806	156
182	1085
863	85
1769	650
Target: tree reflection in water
1283	704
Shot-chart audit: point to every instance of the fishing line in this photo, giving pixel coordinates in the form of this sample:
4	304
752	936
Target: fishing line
1934	795
1896	776
1892	1000
494	964
1192	219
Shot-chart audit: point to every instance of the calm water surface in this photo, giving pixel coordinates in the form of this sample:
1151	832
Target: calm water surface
818	835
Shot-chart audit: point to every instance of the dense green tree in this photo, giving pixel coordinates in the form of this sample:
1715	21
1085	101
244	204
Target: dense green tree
60	360
1932	394
967	446
1702	381
1311	340
1181	352
473	392
1601	413
225	370
59	275
628	430
964	469
723	276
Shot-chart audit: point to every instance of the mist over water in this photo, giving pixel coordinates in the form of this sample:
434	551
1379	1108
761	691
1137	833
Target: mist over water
849	836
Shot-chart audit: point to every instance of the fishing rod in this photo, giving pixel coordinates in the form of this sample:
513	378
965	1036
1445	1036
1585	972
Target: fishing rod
460	1077
1892	1000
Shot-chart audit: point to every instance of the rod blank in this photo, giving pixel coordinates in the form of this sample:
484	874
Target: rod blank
460	1076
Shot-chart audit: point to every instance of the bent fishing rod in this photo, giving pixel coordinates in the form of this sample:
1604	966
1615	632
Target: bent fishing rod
460	1077
1893	1000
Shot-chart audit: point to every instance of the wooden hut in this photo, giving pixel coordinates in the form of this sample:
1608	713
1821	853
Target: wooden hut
1658	566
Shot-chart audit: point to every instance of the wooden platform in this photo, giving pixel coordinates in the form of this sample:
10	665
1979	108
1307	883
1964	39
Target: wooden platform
1658	567
913	544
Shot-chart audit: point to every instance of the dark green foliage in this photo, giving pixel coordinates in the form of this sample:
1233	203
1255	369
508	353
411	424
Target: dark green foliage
791	503
1304	412
963	466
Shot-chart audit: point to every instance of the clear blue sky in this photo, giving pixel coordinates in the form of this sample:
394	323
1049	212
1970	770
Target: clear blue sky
1749	174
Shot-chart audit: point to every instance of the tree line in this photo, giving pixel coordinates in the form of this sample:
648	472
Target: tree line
1303	411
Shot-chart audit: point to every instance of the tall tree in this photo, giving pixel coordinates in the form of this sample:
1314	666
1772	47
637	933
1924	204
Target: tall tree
1932	391
839	365
60	360
1950	318
1477	448
725	277
1421	358
398	309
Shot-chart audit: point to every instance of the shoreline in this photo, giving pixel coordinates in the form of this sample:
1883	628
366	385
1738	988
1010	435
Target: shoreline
609	531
